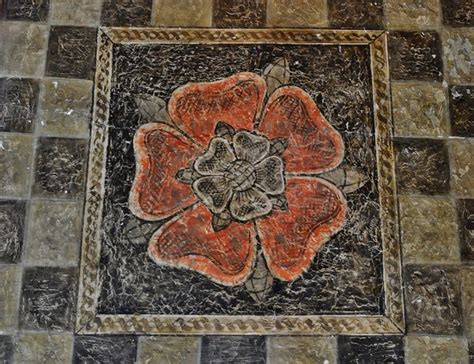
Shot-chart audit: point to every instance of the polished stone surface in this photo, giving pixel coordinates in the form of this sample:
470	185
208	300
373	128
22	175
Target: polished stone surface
365	14
432	349
228	349
297	13
465	210
360	349
43	348
81	12
104	349
461	106
239	13
458	55
301	350
32	10
12	230
126	13
412	14
168	349
183	13
462	181
10	276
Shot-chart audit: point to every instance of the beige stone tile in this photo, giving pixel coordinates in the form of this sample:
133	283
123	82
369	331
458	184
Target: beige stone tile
462	166
183	13
467	290
54	232
78	13
429	230
15	164
419	109
23	48
65	107
301	350
458	55
10	280
168	349
412	14
297	13
435	349
44	348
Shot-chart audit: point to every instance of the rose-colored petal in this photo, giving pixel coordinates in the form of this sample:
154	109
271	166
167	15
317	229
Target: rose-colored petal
314	146
189	241
196	108
290	239
160	151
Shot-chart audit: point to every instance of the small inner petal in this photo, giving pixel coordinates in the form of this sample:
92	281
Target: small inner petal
214	192
216	159
270	175
249	204
250	147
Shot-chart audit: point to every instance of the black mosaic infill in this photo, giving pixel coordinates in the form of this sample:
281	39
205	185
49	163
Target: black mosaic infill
458	13
422	166
132	283
32	10
233	349
18	104
104	349
239	13
360	14
48	298
12	226
126	13
461	108
465	210
71	52
6	349
371	349
415	56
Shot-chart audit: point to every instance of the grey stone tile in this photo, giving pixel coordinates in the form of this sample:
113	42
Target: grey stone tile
465	210
432	349
458	13
32	10
6	349
458	55
12	227
462	179
233	349
104	349
10	280
239	13
183	13
168	349
365	14
412	14
461	107
370	349
126	13
297	13
78	13
301	350
44	348
467	289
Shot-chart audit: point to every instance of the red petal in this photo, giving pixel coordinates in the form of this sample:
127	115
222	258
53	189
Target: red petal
197	107
290	239
314	145
160	151
189	241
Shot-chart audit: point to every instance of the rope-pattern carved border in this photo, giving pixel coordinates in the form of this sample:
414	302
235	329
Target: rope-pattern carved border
88	321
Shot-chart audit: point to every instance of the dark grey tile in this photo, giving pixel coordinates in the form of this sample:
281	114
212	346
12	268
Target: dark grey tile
422	166
60	167
18	104
433	299
415	56
466	228
233	350
461	109
71	52
239	13
48	298
370	349
12	226
6	349
365	14
105	349
126	13
32	10
458	13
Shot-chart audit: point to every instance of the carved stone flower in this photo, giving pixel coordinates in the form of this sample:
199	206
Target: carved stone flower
233	171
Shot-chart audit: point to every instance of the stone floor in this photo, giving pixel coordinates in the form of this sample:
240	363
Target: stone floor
47	82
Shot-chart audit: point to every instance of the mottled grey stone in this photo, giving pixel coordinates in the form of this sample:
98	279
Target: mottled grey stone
462	179
168	349
126	13
467	289
412	14
104	349
466	228
239	13
432	349
183	13
370	349
12	222
233	349
79	12
43	348
6	348
301	350
32	10
10	276
297	13
365	14
458	55
461	108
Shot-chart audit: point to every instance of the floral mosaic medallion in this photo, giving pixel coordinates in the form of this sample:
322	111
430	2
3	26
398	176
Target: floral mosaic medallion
238	186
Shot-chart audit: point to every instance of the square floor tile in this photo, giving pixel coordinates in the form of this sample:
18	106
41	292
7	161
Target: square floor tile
15	164
183	13
461	107
297	13
60	167
169	349
422	166
54	233
458	55
6	349
457	13
48	299
468	301
412	14
12	227
18	104
78	13
370	349
65	107
238	349
239	13
32	10
24	48
432	349
419	109
433	240
433	299
365	14
301	349
462	179
465	210
415	56
105	349
71	52
43	348
10	276
126	13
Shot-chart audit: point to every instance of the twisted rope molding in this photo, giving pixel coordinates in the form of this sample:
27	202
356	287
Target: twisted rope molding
88	321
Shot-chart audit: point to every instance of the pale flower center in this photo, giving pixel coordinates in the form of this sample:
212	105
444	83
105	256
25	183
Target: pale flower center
241	175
